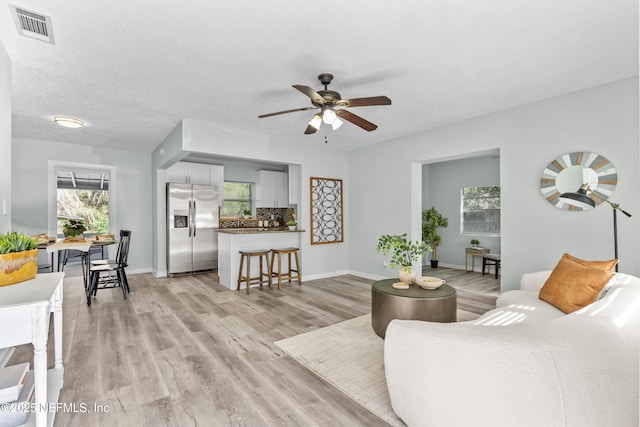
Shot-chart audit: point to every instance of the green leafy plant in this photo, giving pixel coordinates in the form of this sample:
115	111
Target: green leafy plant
475	242
74	227
403	252
16	242
292	223
431	220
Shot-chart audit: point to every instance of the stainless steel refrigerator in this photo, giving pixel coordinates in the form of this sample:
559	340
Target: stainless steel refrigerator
192	227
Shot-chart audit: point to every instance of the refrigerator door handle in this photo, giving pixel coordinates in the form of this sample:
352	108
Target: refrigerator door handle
189	218
194	219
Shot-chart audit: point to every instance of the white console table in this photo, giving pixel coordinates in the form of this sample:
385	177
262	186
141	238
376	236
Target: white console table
25	310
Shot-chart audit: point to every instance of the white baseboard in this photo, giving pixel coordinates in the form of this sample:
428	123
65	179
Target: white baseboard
138	270
367	275
324	275
159	273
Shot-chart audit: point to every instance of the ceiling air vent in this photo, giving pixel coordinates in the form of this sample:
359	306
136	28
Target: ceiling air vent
32	24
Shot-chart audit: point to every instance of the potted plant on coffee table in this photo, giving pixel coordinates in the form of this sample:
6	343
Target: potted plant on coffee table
431	220
18	258
403	253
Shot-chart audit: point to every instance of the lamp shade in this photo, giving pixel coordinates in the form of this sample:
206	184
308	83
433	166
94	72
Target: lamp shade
328	115
315	122
580	198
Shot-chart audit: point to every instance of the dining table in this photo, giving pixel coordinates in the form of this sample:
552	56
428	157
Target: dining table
84	246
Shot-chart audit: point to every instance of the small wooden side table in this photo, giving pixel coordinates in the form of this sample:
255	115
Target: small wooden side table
474	252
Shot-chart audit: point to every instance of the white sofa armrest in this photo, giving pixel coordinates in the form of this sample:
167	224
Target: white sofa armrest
576	373
534	281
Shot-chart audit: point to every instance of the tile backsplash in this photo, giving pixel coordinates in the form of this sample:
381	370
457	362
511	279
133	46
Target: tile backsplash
280	217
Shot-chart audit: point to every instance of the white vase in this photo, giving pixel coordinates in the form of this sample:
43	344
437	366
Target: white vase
405	274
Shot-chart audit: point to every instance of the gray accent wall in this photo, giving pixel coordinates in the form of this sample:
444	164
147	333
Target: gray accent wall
442	183
385	180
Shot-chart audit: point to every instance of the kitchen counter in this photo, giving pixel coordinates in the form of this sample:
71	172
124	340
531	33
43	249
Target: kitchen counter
233	240
257	230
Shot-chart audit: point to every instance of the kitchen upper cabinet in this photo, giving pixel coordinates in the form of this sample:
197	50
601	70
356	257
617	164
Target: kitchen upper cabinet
178	172
272	189
196	173
199	174
294	184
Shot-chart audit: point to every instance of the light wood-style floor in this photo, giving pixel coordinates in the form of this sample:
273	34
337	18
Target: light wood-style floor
186	351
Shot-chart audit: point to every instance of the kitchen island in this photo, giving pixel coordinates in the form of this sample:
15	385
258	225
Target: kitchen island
233	240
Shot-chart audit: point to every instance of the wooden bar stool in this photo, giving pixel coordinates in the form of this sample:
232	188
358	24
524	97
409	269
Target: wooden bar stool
289	274
262	254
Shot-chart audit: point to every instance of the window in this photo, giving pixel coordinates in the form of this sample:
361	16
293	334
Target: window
83	195
237	198
480	210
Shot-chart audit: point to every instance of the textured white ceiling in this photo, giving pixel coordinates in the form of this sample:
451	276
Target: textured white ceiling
132	69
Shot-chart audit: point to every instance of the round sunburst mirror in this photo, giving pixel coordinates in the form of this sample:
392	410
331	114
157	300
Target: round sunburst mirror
570	172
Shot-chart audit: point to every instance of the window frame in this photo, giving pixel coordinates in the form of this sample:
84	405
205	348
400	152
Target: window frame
227	199
462	212
54	165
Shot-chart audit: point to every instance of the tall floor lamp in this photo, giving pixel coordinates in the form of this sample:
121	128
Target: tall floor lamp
581	199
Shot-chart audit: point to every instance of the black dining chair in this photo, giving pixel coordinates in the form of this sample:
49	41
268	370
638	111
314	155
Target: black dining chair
111	274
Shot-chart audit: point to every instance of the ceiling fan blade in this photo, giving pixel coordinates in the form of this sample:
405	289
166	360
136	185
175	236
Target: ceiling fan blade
356	120
261	116
365	102
315	96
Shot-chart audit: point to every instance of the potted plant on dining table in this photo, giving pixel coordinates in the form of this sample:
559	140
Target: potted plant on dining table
73	229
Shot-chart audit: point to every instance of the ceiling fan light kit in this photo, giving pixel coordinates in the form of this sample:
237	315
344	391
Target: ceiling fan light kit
327	100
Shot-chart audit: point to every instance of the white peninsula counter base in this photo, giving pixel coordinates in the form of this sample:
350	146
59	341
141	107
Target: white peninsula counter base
231	242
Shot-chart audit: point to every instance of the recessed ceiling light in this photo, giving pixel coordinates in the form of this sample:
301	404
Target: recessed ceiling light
68	122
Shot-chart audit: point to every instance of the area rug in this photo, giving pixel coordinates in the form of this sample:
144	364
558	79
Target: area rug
349	356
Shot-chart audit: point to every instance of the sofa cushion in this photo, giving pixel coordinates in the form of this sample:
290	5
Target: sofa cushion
572	285
518	307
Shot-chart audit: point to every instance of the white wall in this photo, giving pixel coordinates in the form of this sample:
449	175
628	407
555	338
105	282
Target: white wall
133	200
442	183
602	119
210	138
5	140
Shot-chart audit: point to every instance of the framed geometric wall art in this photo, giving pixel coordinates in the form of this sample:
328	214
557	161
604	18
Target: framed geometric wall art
326	211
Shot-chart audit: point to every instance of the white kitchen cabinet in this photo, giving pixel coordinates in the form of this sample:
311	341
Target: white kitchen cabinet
195	173
199	174
178	172
294	184
272	189
216	174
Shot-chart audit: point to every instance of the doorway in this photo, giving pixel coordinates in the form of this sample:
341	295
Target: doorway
447	184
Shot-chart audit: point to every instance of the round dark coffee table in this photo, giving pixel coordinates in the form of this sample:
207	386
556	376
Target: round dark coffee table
415	303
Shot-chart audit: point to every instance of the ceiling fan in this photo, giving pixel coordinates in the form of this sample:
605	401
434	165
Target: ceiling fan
332	107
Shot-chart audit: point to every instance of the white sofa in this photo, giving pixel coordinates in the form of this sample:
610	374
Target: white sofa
525	363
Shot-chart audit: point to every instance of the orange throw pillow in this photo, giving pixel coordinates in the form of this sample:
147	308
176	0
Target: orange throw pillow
572	285
602	265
